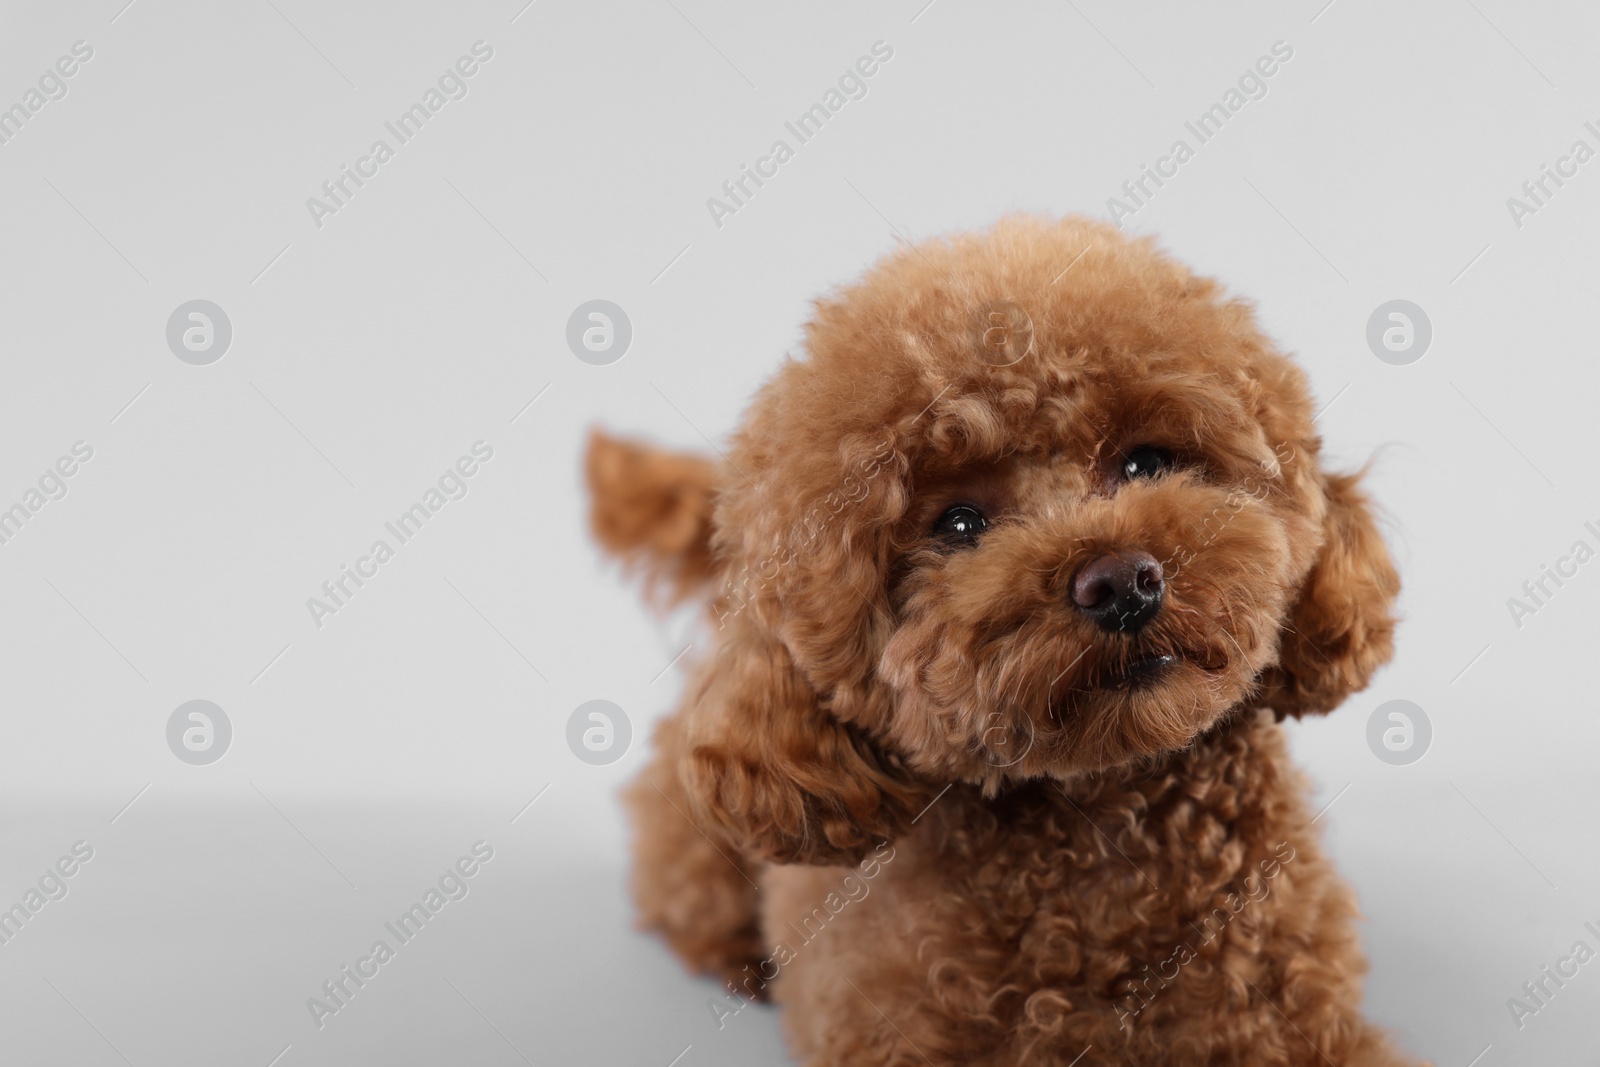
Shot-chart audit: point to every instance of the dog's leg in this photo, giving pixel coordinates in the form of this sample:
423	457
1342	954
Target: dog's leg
652	508
694	889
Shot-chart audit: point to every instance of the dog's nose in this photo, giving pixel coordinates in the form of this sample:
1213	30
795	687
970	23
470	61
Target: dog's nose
1120	590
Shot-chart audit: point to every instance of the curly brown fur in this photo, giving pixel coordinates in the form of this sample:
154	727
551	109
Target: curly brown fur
653	509
1082	842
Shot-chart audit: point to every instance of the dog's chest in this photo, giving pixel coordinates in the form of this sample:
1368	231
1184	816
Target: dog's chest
1073	896
1057	889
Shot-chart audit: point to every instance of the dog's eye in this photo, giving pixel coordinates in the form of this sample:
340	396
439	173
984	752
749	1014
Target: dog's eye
960	526
1146	461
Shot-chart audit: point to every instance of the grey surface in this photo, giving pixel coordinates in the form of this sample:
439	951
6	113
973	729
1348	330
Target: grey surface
367	355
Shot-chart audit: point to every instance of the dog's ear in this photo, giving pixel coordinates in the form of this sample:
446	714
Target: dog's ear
1341	627
772	769
653	508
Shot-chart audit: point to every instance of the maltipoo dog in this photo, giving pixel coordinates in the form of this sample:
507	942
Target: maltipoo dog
1012	579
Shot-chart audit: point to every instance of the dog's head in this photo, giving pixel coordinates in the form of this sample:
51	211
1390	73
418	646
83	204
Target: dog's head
1039	502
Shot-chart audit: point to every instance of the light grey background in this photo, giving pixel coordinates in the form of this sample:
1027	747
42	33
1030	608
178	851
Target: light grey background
369	353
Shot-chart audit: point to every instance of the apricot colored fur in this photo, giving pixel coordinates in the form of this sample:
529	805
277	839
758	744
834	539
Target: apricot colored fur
1067	867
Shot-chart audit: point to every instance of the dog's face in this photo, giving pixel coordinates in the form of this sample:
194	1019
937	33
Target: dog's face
1040	502
1104	591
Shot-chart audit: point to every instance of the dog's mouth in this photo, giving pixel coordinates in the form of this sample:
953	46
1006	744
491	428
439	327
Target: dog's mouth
1144	672
1145	669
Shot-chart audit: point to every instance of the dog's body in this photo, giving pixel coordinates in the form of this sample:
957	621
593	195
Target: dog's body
1084	888
881	805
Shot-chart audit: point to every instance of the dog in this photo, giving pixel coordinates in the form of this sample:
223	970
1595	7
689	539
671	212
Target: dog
1013	579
